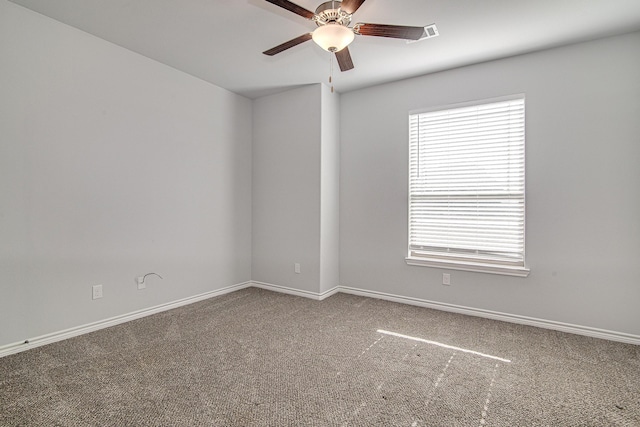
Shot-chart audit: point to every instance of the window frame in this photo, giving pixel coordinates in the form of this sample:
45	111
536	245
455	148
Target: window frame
460	261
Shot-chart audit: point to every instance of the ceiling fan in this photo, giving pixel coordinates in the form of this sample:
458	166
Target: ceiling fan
334	34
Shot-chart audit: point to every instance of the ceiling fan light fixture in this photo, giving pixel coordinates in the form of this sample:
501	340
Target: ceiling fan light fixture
333	37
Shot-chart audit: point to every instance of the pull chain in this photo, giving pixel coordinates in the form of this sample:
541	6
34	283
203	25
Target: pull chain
331	70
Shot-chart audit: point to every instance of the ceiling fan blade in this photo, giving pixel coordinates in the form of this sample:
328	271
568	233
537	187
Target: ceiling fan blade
344	59
394	31
350	6
292	7
286	45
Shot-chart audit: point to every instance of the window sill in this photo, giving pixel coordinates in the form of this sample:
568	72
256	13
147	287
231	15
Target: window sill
469	266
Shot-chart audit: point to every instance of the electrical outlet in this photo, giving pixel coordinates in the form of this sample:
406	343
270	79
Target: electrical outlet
296	268
97	291
140	282
446	279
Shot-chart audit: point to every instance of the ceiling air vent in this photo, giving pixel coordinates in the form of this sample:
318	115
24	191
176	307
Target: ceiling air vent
430	31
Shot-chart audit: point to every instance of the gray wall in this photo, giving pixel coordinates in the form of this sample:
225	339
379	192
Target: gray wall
583	175
296	189
329	191
112	166
286	188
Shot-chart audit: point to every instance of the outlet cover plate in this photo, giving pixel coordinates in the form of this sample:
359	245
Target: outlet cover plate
97	291
446	279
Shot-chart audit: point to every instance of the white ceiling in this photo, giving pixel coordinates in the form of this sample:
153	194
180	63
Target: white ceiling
221	41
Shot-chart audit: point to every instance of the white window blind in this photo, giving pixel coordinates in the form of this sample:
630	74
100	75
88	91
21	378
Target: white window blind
466	184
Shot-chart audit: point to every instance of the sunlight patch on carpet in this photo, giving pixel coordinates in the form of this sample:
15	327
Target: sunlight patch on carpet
464	350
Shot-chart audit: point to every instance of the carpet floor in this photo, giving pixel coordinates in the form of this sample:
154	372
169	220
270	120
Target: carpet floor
258	358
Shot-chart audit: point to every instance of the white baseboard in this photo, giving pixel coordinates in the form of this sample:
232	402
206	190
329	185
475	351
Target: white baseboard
495	315
101	324
291	291
506	317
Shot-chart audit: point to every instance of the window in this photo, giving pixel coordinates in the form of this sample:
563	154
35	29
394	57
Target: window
466	187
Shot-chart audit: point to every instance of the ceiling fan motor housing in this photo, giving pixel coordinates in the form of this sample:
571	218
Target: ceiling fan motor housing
329	12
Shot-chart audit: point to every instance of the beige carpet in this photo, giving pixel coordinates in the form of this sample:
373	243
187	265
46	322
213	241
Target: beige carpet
257	358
